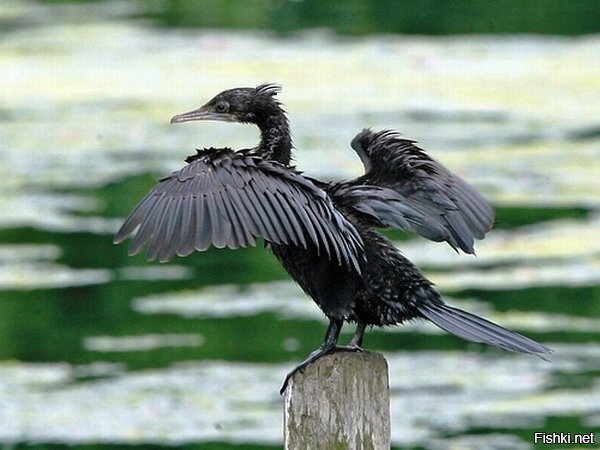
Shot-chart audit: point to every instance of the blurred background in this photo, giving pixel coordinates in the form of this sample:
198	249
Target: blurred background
99	350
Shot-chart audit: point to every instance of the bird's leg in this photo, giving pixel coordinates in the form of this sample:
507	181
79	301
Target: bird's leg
355	344
328	346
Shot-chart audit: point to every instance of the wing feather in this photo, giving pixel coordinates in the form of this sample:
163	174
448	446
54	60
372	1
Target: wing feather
304	218
295	226
203	232
261	214
188	224
146	230
228	199
215	210
159	235
315	219
277	215
434	197
172	234
241	227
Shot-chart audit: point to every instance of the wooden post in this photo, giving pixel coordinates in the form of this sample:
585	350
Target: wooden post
341	401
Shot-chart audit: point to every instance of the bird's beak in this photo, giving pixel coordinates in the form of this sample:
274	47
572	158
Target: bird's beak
200	114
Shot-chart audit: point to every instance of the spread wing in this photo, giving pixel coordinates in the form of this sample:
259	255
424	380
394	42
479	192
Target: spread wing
227	199
438	197
383	207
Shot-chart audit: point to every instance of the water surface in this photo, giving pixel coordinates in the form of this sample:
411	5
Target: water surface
102	349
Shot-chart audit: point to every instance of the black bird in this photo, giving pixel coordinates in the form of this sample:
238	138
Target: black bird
322	233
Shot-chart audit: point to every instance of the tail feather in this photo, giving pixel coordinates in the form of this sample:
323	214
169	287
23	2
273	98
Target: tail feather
476	329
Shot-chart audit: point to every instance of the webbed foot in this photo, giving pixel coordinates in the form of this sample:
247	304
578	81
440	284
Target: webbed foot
320	352
328	346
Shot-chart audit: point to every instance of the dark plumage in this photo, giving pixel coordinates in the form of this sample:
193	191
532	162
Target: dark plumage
227	199
323	233
451	204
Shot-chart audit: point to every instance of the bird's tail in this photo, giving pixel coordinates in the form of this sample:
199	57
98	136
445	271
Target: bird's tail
476	329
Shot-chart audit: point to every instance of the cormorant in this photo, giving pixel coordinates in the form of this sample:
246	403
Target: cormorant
322	233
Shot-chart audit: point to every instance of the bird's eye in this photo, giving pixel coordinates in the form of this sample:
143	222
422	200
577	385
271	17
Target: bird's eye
221	107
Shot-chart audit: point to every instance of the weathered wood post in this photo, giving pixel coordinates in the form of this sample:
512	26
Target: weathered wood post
341	401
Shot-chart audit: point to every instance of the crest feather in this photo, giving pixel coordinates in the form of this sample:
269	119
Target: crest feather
268	88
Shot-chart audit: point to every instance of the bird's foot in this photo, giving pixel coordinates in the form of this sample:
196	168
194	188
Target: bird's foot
349	348
328	346
319	353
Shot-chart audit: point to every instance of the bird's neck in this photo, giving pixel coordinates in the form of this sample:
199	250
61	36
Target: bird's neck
276	139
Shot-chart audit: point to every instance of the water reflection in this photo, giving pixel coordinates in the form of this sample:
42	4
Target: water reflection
194	351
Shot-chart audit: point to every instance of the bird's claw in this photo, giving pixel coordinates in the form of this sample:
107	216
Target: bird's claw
286	381
313	357
317	354
349	348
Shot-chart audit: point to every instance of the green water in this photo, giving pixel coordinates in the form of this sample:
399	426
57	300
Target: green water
100	350
362	17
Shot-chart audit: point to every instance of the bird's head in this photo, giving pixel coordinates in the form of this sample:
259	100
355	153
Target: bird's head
244	105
